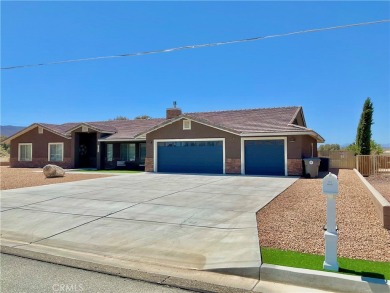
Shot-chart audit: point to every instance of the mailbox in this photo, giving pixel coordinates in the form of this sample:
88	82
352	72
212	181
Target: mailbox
330	184
330	187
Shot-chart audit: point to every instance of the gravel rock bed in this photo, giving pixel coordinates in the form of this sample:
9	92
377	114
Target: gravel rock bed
25	177
294	220
381	183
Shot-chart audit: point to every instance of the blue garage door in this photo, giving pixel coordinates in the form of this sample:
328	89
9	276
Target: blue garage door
264	157
190	157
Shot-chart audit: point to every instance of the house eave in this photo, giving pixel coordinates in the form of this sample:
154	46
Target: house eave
313	134
90	127
122	139
31	127
181	117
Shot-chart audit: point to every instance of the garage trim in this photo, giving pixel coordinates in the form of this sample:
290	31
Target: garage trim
284	138
156	141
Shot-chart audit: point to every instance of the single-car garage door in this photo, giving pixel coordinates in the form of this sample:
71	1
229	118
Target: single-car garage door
190	157
264	157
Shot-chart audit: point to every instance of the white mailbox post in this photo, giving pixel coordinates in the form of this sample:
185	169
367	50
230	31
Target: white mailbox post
330	187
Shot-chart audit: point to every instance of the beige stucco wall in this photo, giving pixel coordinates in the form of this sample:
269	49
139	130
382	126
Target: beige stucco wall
175	131
298	147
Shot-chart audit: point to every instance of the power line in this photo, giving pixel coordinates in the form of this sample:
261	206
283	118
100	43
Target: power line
201	45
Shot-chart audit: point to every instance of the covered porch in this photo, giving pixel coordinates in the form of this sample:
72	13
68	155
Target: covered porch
122	155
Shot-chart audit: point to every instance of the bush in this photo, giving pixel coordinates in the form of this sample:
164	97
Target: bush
329	147
3	151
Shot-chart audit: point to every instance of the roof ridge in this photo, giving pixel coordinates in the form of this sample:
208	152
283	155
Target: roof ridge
41	123
103	121
248	109
100	121
295	115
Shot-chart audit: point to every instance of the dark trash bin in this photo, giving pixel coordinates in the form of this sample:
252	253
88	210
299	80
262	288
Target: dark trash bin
324	165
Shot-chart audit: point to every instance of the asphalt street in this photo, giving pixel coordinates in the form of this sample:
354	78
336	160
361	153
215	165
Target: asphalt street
22	275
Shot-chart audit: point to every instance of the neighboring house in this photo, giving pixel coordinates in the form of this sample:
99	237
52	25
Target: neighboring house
270	141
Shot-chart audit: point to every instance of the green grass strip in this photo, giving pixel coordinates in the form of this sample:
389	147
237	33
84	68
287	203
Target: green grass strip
365	268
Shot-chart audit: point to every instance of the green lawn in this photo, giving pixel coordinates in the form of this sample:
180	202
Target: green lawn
107	171
365	268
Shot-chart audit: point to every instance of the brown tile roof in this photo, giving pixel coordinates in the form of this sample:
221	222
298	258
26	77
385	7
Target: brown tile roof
59	128
251	120
262	120
121	129
127	129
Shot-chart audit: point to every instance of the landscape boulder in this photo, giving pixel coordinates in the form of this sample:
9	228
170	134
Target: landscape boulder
52	171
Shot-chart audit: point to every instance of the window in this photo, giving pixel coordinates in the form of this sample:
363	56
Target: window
56	152
142	152
128	152
186	124
25	152
109	152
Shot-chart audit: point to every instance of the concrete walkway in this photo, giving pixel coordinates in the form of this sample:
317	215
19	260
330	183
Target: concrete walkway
199	222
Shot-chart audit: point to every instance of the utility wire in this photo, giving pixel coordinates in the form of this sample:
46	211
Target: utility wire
201	45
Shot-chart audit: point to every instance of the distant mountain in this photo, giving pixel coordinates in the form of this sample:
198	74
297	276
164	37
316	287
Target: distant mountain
8	130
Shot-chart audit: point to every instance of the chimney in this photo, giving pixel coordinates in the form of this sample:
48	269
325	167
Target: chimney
173	112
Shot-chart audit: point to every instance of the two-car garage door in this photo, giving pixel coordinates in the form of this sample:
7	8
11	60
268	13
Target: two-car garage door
259	157
190	156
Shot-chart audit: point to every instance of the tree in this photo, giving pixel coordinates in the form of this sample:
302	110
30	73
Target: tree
353	148
120	118
363	134
4	146
3	152
145	117
329	147
376	148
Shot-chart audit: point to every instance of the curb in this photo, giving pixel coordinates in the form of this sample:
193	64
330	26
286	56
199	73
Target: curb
180	278
322	280
202	281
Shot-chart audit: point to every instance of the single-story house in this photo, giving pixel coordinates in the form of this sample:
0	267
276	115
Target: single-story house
266	141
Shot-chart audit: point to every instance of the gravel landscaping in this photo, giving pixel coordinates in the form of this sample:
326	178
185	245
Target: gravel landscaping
294	220
24	177
381	182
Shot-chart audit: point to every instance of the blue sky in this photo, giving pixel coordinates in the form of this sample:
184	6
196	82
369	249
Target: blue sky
329	73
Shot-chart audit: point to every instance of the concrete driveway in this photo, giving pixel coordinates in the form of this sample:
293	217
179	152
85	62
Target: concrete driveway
200	222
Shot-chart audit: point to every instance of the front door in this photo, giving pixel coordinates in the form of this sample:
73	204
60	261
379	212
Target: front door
87	150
